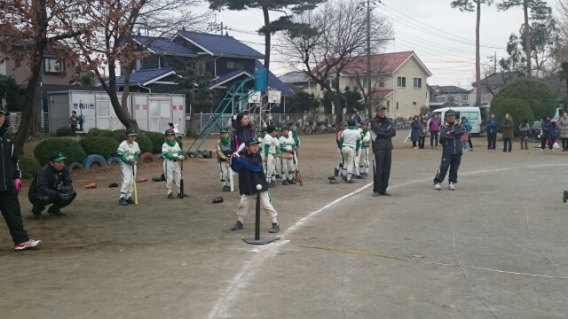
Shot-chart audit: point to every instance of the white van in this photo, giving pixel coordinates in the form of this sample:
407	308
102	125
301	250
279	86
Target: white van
471	113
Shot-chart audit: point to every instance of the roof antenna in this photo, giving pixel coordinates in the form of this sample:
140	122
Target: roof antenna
227	33
138	33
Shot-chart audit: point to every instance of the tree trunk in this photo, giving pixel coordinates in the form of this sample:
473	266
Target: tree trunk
338	109
477	58
527	38
121	110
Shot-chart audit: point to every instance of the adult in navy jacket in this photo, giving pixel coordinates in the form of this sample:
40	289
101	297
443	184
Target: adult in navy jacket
452	150
491	130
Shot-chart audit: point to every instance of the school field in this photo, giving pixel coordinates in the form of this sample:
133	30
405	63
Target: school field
497	247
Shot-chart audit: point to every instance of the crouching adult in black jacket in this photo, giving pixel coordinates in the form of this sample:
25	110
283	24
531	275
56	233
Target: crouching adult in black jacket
382	133
52	185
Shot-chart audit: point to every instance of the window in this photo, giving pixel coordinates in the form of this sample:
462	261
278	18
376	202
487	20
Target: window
51	65
401	80
235	65
465	97
329	82
381	82
417	83
470	116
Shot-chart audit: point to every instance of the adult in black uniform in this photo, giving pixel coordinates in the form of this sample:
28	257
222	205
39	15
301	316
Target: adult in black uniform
52	185
382	132
10	185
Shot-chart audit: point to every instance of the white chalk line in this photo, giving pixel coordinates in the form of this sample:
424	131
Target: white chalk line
247	271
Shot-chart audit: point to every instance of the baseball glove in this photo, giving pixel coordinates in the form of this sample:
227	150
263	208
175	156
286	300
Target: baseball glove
217	200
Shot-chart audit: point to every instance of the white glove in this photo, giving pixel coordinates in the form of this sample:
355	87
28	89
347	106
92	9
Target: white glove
181	157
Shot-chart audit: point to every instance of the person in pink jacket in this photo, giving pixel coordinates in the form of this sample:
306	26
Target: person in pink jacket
434	129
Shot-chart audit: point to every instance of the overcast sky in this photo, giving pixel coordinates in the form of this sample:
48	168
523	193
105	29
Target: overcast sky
442	37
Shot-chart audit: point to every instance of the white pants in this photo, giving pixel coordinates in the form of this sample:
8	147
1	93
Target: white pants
128	181
225	173
270	168
364	160
349	159
248	201
277	166
172	172
288	167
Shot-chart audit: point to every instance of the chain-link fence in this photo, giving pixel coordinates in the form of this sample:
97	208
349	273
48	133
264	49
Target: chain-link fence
16	118
225	120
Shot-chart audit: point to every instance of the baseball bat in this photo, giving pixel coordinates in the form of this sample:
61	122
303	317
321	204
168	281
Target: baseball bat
181	190
135	188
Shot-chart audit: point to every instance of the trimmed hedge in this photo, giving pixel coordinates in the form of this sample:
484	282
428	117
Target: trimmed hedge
28	166
518	109
98	132
119	135
64	131
144	143
70	148
158	140
100	145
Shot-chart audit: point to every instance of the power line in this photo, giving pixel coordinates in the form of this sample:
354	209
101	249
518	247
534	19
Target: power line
444	33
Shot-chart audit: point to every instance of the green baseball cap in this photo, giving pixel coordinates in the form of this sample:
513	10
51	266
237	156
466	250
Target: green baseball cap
169	132
344	123
131	132
224	130
3	110
57	157
380	107
252	141
450	113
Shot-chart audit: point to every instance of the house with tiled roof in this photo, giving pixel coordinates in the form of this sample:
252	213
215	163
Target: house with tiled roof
398	80
451	95
223	58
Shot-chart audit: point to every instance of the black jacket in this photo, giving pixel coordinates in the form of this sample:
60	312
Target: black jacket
240	136
250	172
9	169
48	181
384	131
450	138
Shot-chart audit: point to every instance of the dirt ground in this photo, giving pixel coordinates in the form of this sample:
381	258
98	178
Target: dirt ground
178	258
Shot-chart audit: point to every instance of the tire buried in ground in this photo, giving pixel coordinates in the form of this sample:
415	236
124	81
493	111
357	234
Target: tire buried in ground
114	160
75	165
147	156
91	159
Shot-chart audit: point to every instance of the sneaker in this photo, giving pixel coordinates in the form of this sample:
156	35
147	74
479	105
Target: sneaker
437	186
431	147
275	228
122	202
359	177
293	182
36	212
130	201
285	182
349	181
415	148
55	211
331	178
376	194
471	149
238	225
452	187
30	243
226	188
170	196
384	193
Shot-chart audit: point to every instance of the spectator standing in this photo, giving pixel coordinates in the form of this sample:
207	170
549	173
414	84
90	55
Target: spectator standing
73	120
552	134
563	127
357	117
423	132
544	126
434	129
491	130
243	132
415	130
507	128
382	133
524	131
10	186
466	136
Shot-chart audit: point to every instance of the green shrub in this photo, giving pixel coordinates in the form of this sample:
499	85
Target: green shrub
28	166
518	109
105	146
119	135
144	143
536	93
157	140
70	148
98	132
64	131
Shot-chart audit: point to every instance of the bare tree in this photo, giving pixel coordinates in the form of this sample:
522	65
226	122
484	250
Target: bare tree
338	36
111	45
29	29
